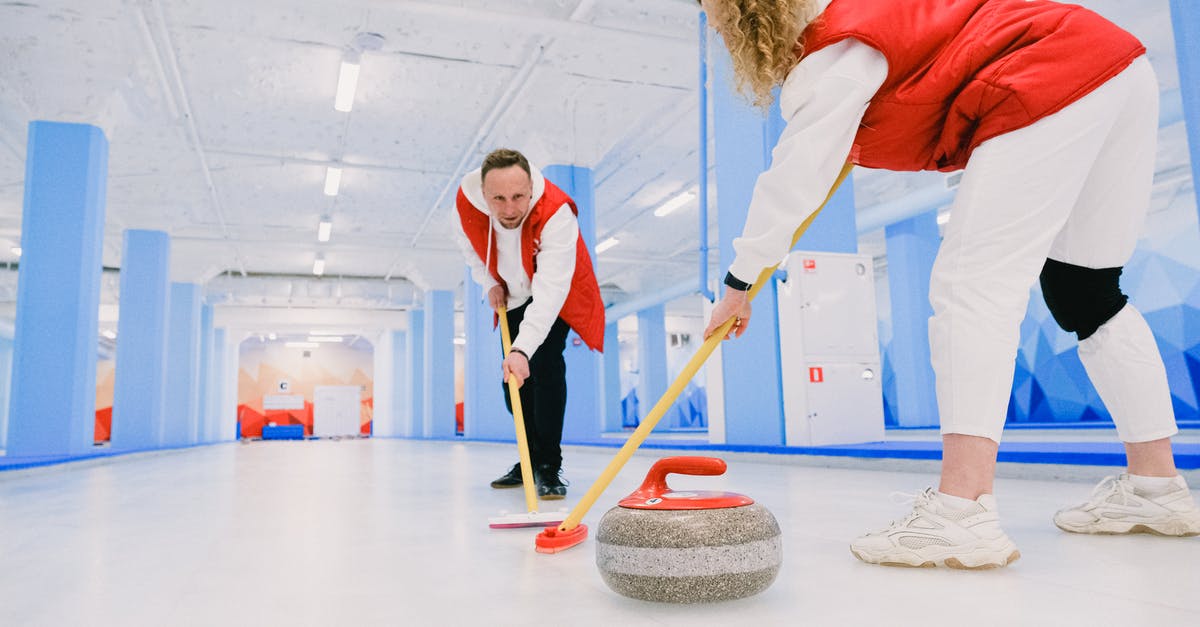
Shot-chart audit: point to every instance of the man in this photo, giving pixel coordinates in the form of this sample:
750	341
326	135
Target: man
521	238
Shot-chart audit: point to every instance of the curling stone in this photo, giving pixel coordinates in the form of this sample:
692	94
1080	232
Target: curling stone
687	546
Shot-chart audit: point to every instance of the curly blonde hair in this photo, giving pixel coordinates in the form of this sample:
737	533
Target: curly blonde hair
763	37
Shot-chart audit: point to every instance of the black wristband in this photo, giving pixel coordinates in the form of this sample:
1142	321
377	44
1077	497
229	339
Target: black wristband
737	283
517	350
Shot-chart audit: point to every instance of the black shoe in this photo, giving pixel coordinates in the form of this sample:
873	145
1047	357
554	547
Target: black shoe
511	479
550	485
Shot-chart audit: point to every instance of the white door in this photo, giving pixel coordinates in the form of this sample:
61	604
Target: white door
336	410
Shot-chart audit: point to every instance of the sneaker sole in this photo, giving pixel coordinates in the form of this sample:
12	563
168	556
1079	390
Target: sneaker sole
949	562
1170	529
552	497
505	487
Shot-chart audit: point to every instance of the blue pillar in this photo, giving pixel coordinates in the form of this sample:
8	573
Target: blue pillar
6	358
222	421
584	420
911	248
207	380
398	423
140	378
1185	18
181	418
652	360
484	415
414	426
744	139
612	378
438	414
53	404
834	230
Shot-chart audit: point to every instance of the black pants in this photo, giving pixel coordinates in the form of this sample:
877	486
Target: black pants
544	395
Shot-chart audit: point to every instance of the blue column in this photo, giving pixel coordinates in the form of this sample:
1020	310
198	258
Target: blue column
414	426
438	414
834	230
6	358
53	404
181	420
222	420
584	420
744	139
207	380
612	378
911	248
398	423
652	360
1185	19
484	416
140	378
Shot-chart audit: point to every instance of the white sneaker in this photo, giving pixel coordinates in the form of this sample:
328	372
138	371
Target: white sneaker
935	534
1117	507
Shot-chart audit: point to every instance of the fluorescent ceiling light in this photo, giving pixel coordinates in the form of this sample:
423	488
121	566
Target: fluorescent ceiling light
302	345
325	338
674	203
461	341
943	217
319	266
110	334
324	229
16	250
347	83
333	180
272	336
606	244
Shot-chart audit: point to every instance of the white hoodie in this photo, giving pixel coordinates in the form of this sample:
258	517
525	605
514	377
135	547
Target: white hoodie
555	262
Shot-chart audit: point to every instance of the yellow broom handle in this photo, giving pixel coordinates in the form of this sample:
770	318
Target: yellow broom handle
514	396
660	408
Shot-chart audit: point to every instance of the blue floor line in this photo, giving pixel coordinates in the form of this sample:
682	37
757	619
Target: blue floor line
1187	455
12	462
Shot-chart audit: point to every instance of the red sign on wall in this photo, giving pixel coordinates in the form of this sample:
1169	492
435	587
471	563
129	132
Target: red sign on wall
816	375
810	265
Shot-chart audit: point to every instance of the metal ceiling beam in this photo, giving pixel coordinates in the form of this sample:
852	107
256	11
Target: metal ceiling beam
510	95
172	62
346	165
533	24
515	87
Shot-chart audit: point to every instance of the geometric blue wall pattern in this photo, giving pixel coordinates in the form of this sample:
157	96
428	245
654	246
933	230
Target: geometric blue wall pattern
1162	281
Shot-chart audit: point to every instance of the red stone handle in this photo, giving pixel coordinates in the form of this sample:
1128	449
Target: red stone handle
655	484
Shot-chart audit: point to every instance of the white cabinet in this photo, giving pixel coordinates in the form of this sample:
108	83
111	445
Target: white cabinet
829	350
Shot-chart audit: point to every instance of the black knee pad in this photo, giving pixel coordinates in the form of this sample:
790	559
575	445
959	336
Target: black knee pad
1081	299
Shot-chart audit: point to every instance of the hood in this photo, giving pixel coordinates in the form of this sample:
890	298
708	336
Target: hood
472	186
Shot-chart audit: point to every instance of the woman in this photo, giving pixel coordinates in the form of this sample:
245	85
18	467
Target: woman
1052	113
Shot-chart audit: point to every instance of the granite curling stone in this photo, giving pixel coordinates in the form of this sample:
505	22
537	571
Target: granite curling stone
687	547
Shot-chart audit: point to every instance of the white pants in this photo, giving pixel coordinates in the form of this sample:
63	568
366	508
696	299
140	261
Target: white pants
1074	187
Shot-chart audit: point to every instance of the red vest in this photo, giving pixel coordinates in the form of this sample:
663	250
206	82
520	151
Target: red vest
583	310
963	71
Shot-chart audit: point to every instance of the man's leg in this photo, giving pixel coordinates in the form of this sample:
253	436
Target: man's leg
548	373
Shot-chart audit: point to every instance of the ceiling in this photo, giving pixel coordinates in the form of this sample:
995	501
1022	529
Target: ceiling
221	125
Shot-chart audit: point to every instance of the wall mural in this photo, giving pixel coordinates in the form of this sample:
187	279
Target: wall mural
276	382
1162	281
